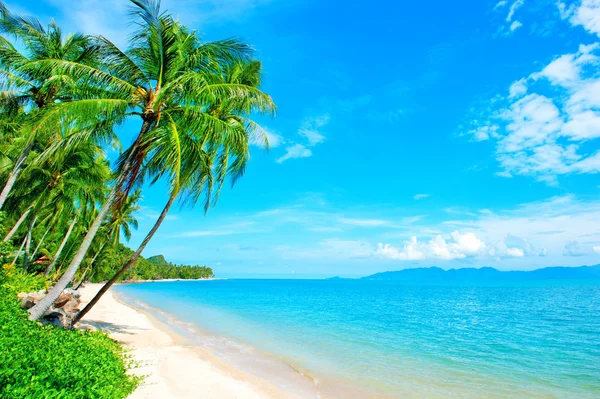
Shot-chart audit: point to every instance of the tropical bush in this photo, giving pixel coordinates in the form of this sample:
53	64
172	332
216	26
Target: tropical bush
50	362
16	280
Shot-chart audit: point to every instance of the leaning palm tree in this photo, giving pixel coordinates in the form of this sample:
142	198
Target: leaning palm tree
166	76
194	170
22	88
122	220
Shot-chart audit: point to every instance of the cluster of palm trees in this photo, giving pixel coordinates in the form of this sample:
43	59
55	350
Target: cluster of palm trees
64	96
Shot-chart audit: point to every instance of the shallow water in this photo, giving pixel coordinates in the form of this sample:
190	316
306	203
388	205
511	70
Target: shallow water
360	339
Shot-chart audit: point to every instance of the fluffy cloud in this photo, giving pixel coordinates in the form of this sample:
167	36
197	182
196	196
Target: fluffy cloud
546	118
310	132
459	246
586	13
295	151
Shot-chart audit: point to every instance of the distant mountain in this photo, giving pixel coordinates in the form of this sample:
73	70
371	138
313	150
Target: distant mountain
488	274
158	260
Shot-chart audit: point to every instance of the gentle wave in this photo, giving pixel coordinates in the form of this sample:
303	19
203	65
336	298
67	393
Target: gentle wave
381	340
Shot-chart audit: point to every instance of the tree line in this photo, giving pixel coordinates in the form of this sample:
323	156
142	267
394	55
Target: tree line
63	98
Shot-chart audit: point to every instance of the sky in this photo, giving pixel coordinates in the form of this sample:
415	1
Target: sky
408	134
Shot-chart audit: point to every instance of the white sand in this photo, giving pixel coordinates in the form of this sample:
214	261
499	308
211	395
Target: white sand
172	369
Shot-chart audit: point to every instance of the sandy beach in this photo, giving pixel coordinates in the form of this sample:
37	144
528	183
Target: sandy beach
172	369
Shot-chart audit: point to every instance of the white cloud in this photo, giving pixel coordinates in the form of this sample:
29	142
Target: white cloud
231	229
574	248
420	196
544	228
483	133
295	151
500	4
459	247
546	118
310	129
310	132
515	252
596	249
518	88
408	252
513	8
515	25
275	140
586	13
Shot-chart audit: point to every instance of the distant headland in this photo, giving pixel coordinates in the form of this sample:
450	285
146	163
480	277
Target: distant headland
485	274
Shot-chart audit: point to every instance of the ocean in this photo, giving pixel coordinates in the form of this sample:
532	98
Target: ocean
376	339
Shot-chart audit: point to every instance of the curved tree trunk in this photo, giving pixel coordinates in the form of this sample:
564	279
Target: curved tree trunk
42	306
129	263
12	231
12	178
39	245
19	251
90	266
28	242
60	248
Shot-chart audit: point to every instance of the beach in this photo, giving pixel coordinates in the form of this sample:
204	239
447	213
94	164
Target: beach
170	367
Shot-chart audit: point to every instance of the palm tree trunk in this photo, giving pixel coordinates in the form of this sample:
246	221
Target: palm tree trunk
19	251
61	247
82	277
12	232
37	248
42	306
12	178
129	263
28	242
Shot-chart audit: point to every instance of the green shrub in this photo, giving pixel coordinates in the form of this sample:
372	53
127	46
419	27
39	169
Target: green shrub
17	280
49	362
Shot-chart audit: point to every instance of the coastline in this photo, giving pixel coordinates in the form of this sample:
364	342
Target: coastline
171	368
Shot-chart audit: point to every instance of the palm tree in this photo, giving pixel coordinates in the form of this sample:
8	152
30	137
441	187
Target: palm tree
190	166
71	182
23	89
121	220
167	75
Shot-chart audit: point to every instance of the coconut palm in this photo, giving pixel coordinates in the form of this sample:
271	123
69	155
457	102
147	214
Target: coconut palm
70	183
22	88
122	219
167	76
193	167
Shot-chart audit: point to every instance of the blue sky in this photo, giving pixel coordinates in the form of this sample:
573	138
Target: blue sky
408	134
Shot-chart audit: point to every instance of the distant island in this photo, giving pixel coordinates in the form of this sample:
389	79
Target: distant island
485	274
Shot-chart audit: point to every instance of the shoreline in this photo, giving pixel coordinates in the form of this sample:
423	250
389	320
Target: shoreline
172	368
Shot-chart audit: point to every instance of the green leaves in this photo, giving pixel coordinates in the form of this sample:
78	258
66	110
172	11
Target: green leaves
48	362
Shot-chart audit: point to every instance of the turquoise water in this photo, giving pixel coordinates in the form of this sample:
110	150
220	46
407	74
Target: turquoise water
360	339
